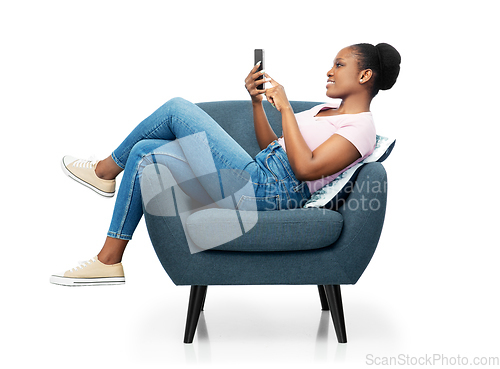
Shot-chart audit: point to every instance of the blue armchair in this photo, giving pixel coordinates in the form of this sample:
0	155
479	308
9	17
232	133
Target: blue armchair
335	251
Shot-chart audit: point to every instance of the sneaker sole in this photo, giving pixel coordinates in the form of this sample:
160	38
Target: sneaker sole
86	184
77	282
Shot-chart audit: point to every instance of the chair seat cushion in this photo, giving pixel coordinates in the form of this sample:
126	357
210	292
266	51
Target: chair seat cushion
284	230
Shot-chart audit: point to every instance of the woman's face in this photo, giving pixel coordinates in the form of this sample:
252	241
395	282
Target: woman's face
343	78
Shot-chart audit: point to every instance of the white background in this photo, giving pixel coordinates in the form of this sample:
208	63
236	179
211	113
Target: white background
76	77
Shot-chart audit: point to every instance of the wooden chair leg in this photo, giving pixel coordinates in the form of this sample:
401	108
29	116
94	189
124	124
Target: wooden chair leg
203	302
322	297
337	311
196	298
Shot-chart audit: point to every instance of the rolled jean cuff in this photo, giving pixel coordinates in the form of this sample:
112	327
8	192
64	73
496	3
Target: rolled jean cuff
117	162
119	236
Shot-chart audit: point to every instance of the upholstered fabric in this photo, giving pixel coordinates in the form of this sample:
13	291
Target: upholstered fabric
255	231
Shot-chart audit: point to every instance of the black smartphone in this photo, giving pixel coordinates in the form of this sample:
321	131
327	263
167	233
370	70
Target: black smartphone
259	56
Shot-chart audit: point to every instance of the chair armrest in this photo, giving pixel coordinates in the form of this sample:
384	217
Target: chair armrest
364	213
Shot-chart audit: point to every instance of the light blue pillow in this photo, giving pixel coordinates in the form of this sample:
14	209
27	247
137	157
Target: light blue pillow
333	192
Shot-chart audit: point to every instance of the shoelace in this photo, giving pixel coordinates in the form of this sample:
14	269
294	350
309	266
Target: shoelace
83	264
83	163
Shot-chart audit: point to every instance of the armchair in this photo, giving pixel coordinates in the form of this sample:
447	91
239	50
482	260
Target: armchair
335	252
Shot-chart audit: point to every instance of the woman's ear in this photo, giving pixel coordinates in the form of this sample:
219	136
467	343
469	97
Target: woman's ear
365	75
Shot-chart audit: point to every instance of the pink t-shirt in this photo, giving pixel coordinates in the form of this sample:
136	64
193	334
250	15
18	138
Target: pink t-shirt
359	129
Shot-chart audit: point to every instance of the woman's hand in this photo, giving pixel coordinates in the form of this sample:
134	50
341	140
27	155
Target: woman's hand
251	84
276	95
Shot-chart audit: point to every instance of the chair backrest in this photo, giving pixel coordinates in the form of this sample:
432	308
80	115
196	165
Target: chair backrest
236	117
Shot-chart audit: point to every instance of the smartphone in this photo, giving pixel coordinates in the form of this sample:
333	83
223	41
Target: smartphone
259	56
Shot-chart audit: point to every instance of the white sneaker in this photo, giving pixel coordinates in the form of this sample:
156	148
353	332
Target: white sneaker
90	273
83	171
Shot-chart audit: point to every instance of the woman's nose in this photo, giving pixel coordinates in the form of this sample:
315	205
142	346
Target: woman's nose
330	73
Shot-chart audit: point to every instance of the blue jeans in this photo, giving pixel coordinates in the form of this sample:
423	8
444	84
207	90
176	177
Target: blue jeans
159	138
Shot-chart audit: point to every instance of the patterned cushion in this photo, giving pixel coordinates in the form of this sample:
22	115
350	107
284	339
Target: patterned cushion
333	194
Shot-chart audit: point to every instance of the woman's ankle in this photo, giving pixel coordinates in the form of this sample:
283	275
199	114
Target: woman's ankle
108	259
107	169
112	251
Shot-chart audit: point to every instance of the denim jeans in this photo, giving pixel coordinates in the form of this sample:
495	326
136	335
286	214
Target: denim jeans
159	139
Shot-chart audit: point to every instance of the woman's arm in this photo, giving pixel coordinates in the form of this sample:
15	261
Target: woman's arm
263	131
333	155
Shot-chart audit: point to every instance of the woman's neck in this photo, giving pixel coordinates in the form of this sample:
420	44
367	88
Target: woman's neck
354	104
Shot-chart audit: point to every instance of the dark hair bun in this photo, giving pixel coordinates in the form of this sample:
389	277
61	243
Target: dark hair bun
390	59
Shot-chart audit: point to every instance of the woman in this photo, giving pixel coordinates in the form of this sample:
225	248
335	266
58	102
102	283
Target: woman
320	144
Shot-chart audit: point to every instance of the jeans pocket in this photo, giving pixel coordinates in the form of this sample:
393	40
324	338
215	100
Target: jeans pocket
259	203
